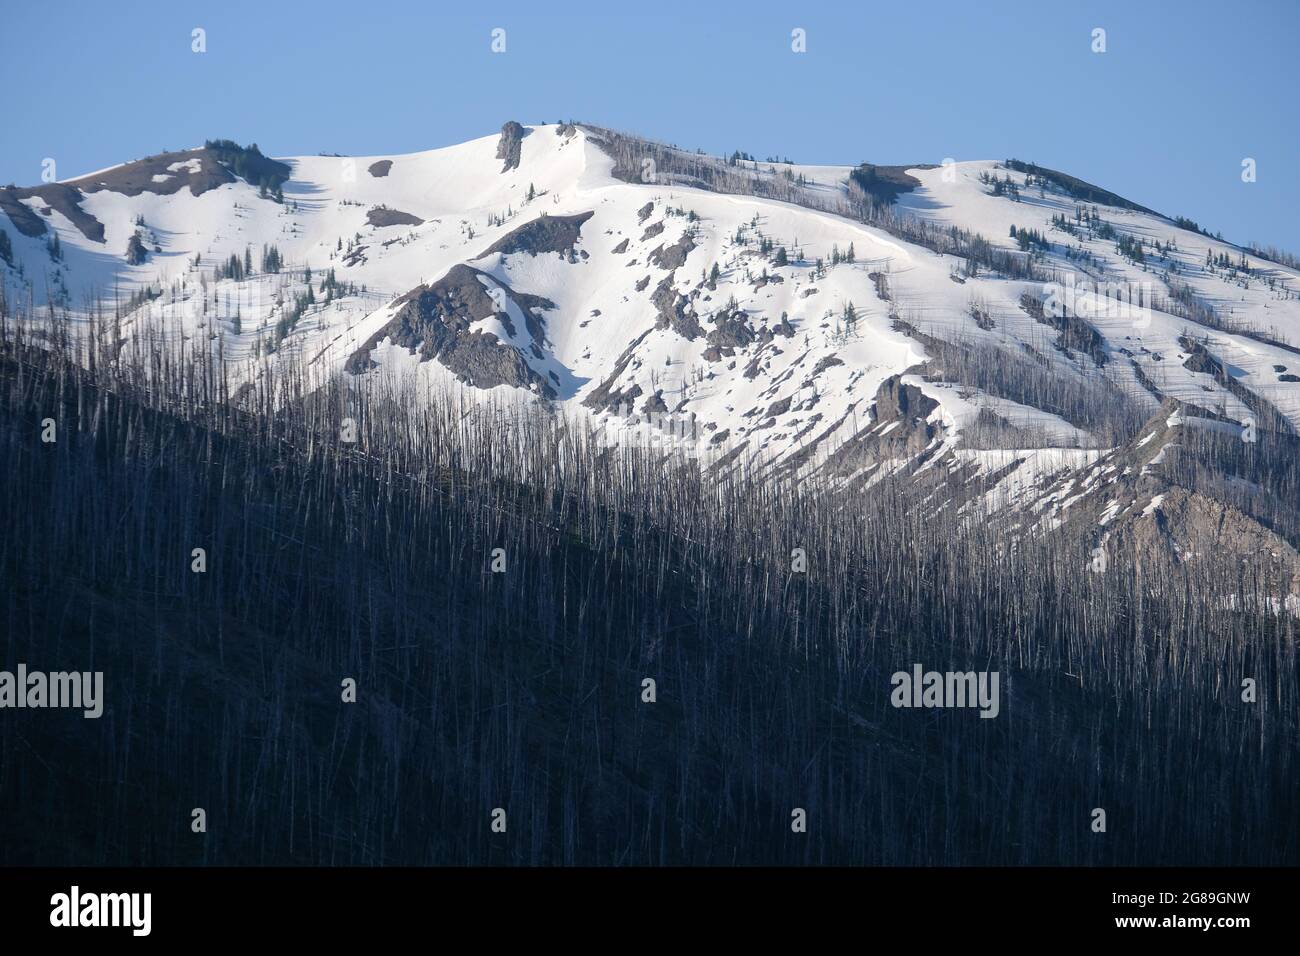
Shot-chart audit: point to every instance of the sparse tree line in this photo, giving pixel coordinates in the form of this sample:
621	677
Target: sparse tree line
634	156
248	163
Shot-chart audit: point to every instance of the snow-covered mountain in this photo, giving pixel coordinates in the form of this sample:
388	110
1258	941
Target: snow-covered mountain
999	332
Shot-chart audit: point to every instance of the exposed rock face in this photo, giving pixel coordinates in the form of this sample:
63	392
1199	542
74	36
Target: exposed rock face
532	305
165	174
605	396
383	216
1185	490
731	331
64	197
908	410
25	221
897	402
1177	526
381	169
673	312
543	234
198	170
435	322
510	145
674	256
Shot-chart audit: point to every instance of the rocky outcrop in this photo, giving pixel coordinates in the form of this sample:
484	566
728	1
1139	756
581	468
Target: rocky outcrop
674	311
25	221
1189	487
606	396
164	174
542	235
674	256
63	197
900	430
435	321
510	145
381	216
731	331
824	363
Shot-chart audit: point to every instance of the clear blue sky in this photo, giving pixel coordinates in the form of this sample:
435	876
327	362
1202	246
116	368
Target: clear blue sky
1184	92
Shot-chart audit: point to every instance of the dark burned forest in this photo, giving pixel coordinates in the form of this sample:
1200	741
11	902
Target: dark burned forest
521	688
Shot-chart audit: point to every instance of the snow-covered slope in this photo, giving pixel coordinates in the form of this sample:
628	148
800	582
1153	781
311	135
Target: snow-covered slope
809	320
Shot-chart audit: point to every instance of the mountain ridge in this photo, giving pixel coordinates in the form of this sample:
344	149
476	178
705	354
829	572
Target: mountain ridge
1006	321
